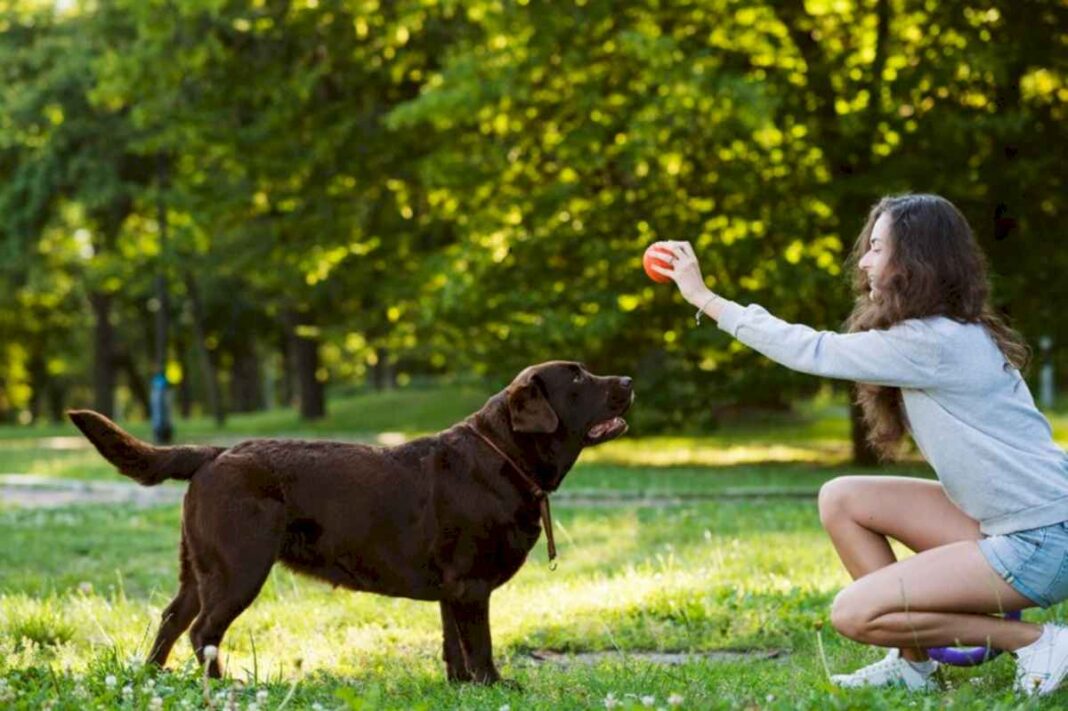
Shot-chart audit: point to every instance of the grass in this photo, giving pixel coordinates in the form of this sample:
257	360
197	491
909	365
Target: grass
737	560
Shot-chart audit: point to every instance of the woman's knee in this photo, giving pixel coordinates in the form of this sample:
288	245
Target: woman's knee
850	616
835	498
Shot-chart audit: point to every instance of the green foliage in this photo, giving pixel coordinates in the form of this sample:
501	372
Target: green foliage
469	187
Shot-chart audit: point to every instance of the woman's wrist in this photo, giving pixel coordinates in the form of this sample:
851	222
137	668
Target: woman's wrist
698	299
709	303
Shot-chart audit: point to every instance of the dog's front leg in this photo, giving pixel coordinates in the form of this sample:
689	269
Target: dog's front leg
472	625
455	665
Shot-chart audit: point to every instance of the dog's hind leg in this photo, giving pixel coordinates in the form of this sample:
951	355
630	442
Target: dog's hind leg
179	613
232	567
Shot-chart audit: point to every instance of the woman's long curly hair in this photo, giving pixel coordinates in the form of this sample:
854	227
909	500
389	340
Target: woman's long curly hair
935	268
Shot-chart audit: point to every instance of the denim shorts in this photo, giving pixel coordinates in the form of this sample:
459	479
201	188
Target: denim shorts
1034	562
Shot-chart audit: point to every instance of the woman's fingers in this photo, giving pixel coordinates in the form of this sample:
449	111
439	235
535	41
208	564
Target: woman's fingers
676	249
681	250
661	270
670	248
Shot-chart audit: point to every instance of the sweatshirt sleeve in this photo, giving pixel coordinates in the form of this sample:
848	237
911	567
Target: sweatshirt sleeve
907	355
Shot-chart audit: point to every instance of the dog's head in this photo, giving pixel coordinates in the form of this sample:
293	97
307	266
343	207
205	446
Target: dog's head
559	407
564	396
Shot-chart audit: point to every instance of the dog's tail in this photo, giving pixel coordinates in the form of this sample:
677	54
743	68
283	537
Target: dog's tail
141	461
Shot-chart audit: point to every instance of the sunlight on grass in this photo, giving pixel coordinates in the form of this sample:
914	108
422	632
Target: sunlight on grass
628	578
697	451
83	590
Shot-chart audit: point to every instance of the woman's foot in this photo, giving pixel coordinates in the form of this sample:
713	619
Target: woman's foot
892	670
1042	665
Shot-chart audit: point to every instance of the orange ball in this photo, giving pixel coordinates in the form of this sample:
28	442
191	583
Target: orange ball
658	255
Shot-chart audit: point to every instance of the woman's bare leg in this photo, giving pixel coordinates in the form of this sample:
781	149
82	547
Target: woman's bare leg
942	596
861	512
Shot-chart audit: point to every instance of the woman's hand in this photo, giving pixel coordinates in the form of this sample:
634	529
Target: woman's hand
685	272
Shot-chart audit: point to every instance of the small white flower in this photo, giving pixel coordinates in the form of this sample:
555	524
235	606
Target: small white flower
610	701
261	696
127	691
506	707
110	681
156	704
648	701
317	706
149	684
675	700
85	587
769	698
211	652
252	706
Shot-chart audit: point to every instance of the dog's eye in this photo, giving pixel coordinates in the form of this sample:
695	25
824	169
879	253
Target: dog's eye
577	378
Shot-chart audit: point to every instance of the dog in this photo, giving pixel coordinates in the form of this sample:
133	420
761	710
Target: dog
446	518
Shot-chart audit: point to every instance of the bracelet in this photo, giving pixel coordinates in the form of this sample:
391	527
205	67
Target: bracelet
700	311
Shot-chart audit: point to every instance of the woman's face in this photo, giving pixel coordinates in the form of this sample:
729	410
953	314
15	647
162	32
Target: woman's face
875	260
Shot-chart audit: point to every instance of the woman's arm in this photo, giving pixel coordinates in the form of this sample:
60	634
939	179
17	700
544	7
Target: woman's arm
907	355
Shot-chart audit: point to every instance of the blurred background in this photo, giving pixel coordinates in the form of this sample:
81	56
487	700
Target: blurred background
280	205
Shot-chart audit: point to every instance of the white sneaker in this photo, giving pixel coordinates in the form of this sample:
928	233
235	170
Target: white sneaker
1042	666
892	670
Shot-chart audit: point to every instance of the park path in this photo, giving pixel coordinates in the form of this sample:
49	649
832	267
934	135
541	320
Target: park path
34	491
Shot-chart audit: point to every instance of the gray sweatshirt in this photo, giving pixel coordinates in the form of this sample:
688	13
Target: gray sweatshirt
972	418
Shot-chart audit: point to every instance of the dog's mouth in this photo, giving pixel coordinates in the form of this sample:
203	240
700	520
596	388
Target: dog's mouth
606	430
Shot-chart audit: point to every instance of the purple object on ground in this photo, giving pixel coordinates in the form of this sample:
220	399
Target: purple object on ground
967	656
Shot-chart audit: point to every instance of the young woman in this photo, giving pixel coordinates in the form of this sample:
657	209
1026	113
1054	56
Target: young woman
931	358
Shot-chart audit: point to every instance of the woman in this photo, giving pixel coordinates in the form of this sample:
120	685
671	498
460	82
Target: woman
932	358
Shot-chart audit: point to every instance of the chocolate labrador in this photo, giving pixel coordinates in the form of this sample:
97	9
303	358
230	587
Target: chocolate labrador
449	517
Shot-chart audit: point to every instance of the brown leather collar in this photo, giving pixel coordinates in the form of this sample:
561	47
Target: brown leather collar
540	494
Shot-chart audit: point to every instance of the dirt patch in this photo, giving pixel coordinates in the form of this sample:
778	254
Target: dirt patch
665	658
609	497
32	491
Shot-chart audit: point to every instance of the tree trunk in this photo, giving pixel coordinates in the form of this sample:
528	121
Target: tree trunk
385	370
289	367
184	390
103	355
246	380
49	392
57	397
863	453
305	347
124	361
848	152
211	382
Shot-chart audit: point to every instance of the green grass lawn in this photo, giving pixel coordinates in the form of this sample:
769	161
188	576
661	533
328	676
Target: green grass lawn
666	544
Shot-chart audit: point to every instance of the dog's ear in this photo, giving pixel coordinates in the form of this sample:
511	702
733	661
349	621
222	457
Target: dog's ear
529	408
